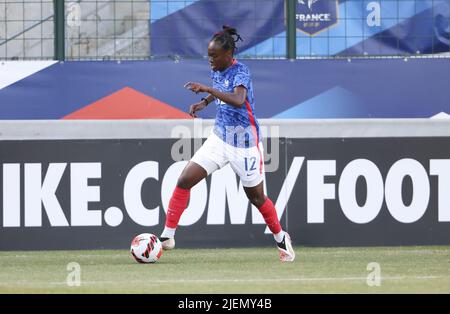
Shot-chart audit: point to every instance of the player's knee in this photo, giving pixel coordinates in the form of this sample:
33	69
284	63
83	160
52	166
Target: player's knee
257	200
184	182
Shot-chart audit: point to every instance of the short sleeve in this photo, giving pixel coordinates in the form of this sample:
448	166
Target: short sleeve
242	78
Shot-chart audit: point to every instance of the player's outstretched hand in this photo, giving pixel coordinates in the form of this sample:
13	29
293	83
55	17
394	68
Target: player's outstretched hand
196	107
196	87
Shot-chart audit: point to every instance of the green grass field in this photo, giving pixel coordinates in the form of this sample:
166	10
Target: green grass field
255	270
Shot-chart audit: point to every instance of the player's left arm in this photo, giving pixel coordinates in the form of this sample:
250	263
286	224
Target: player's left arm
235	99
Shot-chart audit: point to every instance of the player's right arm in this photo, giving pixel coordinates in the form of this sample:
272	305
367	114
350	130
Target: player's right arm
235	99
200	105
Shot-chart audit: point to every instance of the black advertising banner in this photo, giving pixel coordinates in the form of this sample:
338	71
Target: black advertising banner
90	194
371	191
94	194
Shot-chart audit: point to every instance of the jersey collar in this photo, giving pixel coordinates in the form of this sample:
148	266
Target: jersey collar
232	65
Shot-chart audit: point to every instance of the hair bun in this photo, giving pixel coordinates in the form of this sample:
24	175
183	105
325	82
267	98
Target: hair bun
232	32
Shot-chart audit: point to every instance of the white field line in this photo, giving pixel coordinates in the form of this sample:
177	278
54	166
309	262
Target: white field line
203	281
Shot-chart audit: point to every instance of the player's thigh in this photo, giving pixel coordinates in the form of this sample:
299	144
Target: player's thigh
211	156
191	175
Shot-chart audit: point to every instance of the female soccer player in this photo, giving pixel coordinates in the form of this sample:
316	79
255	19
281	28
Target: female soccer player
235	139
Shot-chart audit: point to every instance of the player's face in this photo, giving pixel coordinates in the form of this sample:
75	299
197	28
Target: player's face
219	59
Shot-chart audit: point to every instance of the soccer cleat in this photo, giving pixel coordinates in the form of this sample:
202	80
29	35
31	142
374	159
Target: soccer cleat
167	243
285	249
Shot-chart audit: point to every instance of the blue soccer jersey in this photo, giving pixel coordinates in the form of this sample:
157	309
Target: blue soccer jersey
236	126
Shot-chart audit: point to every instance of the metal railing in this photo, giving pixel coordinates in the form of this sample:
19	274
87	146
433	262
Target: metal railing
104	30
26	29
302	29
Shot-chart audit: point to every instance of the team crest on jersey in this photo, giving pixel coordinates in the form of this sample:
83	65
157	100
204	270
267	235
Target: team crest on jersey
314	16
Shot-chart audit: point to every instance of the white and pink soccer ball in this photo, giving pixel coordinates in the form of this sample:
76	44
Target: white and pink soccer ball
146	248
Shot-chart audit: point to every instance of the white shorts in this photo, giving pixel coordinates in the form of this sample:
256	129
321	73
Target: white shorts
247	163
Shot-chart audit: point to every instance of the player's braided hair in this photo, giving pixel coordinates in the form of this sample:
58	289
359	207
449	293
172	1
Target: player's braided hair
227	38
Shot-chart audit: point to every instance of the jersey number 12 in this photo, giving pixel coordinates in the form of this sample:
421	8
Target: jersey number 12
252	162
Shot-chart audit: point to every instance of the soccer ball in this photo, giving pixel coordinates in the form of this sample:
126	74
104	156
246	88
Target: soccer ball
146	248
